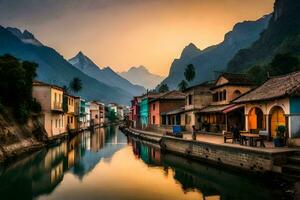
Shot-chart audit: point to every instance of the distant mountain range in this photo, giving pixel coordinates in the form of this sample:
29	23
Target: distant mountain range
215	58
54	69
105	75
281	36
141	76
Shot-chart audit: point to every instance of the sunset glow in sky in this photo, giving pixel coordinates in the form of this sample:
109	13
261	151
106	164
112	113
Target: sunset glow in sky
125	33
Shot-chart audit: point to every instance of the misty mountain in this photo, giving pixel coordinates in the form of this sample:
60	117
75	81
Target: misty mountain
105	75
141	76
282	36
215	58
53	68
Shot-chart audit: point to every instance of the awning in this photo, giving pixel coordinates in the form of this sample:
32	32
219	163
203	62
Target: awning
173	112
234	107
215	108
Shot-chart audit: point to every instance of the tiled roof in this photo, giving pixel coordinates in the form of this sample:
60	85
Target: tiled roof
173	112
172	95
276	87
206	85
234	79
215	108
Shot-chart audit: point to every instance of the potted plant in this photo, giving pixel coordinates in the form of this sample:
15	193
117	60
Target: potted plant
279	138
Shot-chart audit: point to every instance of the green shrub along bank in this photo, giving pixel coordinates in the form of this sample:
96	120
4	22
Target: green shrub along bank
16	79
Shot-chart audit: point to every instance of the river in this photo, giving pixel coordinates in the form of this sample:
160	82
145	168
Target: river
104	164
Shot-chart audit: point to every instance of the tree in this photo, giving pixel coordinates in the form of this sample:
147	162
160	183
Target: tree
112	115
283	64
182	85
163	88
76	84
16	79
258	74
190	73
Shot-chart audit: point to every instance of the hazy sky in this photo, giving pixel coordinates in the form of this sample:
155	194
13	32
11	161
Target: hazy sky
125	33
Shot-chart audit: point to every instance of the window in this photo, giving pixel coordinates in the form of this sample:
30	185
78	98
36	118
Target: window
71	120
236	94
220	96
153	106
153	119
96	116
224	94
55	97
56	123
190	99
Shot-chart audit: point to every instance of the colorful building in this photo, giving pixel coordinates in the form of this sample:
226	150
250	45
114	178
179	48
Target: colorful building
69	110
196	98
94	113
274	103
80	113
159	106
222	114
144	108
87	114
135	112
51	99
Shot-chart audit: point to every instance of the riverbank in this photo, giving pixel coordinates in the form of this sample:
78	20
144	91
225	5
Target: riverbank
228	155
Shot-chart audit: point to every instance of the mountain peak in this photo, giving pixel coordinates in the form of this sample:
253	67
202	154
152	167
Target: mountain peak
190	51
26	36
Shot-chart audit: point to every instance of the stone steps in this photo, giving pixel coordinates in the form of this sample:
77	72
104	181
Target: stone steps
292	167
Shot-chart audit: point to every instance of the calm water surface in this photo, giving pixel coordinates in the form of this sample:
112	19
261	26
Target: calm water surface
105	164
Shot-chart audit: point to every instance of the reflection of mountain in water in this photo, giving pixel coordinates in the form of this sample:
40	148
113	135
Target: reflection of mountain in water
94	149
41	172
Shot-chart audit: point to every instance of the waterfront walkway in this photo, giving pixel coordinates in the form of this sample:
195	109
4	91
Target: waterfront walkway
219	140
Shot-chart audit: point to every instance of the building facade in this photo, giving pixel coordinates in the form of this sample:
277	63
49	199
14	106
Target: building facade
222	114
69	110
51	99
159	106
274	103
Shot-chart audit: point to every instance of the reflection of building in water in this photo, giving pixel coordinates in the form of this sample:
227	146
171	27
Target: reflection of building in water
54	154
71	158
97	139
149	154
57	172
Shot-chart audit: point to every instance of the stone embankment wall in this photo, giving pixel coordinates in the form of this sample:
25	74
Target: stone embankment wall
248	159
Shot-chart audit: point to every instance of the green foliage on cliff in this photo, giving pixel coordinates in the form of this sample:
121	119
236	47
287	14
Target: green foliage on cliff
163	88
281	37
280	65
16	86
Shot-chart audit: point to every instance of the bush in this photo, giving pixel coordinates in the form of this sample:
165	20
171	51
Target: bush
36	106
21	113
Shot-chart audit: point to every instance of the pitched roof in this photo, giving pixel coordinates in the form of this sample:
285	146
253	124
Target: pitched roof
205	85
275	87
215	108
234	79
40	83
171	95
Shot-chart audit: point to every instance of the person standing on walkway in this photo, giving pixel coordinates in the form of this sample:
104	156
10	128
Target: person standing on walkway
194	135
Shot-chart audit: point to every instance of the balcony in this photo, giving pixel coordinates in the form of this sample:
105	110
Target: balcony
57	106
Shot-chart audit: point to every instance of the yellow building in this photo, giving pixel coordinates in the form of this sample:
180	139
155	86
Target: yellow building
222	114
69	109
51	99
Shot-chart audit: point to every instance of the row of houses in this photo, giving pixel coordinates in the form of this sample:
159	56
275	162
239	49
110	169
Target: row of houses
231	100
63	113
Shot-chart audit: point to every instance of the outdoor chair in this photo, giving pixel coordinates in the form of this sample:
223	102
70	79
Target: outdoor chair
228	135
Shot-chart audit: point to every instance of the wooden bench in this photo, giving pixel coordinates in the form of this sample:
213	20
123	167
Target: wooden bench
228	135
